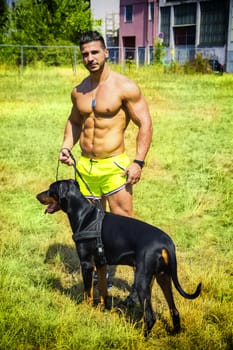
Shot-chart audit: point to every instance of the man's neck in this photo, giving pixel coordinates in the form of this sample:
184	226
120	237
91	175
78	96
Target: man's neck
101	75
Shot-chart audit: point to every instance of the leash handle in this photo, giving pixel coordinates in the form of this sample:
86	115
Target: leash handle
76	172
58	161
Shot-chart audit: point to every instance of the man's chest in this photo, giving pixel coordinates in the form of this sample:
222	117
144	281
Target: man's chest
101	102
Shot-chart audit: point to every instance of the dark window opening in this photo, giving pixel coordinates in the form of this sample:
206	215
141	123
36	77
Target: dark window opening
151	11
165	24
129	13
185	14
129	43
184	35
214	22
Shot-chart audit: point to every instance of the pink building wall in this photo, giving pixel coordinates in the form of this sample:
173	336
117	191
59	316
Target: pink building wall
144	30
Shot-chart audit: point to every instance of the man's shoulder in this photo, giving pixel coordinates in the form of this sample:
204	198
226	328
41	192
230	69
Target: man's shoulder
123	81
126	87
120	77
82	87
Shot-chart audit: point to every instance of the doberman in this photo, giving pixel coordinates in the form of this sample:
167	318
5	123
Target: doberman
126	241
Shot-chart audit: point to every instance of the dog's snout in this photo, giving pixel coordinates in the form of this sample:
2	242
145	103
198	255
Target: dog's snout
41	197
50	199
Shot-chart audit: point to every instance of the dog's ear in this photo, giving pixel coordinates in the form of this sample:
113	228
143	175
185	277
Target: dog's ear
74	183
67	189
63	190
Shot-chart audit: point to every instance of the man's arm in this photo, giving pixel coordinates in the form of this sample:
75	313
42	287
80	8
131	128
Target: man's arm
139	113
72	133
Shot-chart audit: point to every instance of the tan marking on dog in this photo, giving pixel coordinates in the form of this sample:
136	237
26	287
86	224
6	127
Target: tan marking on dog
88	297
102	283
165	256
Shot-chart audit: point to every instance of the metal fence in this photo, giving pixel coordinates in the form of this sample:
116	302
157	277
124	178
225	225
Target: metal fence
23	55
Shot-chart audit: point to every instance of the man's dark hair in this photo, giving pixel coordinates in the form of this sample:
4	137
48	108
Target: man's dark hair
91	35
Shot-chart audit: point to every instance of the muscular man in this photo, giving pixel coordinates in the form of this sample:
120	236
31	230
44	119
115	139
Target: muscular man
103	105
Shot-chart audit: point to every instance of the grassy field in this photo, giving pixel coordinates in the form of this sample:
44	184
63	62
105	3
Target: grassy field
186	189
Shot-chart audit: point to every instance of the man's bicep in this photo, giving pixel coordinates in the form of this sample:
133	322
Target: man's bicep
138	109
75	116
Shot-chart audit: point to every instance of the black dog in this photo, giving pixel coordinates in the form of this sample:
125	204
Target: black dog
126	241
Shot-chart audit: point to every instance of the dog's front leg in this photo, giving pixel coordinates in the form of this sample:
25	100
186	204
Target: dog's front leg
87	273
102	284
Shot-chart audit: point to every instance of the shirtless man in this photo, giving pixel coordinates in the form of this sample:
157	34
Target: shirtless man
103	105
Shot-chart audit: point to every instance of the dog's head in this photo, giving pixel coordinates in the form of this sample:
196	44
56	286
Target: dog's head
56	197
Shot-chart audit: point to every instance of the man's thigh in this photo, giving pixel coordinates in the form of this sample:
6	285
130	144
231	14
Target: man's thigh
121	202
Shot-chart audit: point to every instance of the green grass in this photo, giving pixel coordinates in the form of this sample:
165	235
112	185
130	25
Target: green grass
186	190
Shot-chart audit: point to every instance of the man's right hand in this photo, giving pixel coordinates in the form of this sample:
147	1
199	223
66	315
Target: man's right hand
64	156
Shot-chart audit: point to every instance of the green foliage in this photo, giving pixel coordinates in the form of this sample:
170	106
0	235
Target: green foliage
198	65
3	13
36	56
3	18
46	22
186	189
159	51
38	23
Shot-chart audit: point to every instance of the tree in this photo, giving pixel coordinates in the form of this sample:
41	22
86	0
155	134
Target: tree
35	22
3	17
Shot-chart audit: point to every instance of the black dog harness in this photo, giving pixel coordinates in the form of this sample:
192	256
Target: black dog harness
93	231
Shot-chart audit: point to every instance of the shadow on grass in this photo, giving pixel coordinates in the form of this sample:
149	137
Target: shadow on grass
67	260
65	254
62	253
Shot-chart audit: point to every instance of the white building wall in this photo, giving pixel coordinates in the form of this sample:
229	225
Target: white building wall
229	53
103	9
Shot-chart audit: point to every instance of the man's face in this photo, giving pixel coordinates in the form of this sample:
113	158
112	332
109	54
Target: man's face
94	56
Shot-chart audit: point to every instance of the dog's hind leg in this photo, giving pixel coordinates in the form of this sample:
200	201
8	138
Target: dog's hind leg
102	284
164	282
143	287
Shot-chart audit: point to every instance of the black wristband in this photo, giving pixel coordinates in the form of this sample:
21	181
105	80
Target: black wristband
141	163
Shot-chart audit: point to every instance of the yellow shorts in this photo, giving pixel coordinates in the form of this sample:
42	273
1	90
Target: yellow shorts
103	176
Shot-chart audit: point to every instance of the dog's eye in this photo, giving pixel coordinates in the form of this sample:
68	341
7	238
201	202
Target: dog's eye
52	194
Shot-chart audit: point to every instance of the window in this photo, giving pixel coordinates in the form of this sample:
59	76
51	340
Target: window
185	24
129	13
185	14
184	35
165	24
232	27
214	19
151	11
129	43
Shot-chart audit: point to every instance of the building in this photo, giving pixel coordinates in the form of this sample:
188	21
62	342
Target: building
138	29
198	26
108	12
187	27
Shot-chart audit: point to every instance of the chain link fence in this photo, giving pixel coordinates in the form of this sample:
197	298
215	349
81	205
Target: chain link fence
23	55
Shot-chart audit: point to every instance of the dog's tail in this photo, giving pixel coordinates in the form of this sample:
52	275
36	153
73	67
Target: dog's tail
171	262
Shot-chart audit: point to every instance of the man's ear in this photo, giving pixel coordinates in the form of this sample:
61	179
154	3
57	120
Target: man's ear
106	54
